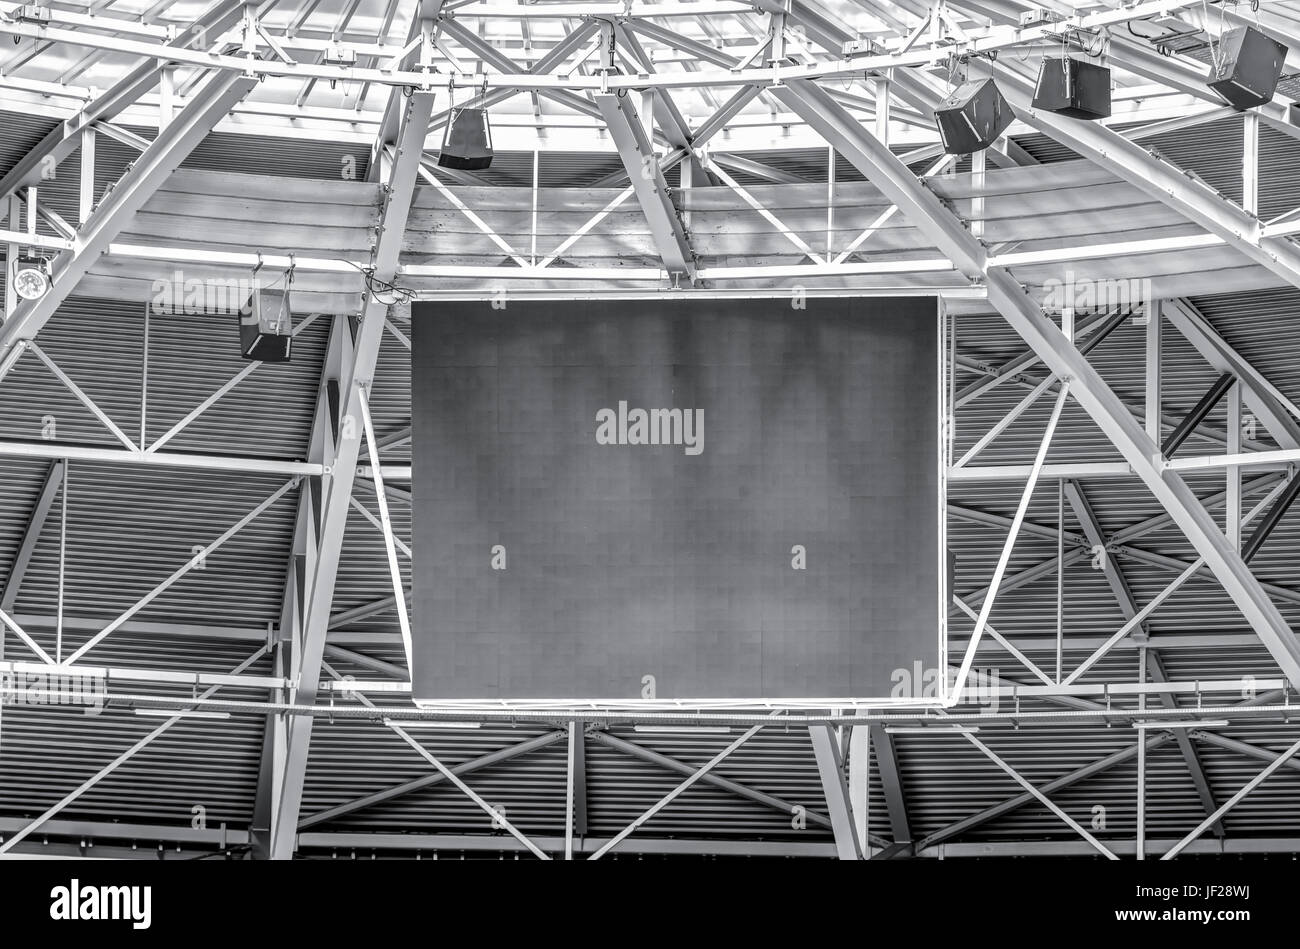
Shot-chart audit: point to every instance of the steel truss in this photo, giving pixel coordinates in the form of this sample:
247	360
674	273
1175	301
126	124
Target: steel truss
236	45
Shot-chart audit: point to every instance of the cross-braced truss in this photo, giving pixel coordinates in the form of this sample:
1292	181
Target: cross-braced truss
213	555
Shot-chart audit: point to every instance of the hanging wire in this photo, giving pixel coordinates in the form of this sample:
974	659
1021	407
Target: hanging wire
379	288
1216	58
951	71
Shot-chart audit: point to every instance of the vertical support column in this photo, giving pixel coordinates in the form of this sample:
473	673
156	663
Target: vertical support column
532	253
777	51
1141	847
647	109
830	201
1250	162
860	784
11	254
978	165
289	635
880	87
568	790
690	175
892	782
831	766
357	368
1152	401
144	378
575	794
86	192
1232	505
166	96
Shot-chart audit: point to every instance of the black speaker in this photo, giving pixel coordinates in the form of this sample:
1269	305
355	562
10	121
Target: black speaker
1074	87
1250	66
972	117
467	144
266	326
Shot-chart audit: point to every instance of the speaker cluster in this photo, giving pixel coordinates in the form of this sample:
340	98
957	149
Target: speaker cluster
1246	66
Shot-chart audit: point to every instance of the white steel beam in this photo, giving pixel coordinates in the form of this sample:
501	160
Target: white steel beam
289	633
986	607
892	783
386	525
1142	455
336	488
488	760
859	755
39	162
726	784
554	59
493	57
1119	588
181	571
1042	798
919	54
1061	357
1276	412
675	793
960	827
116	210
894	179
113	765
32	534
219	394
649	184
1167	183
112	456
1231	802
830	766
667	116
422	20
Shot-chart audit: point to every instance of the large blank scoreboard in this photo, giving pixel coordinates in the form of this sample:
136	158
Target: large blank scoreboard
660	499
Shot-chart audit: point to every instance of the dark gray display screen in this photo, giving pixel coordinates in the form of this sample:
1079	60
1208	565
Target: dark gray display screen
675	499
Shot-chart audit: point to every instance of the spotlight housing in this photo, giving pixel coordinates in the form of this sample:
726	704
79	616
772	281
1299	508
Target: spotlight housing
266	326
1250	65
33	13
1074	87
31	277
467	143
972	117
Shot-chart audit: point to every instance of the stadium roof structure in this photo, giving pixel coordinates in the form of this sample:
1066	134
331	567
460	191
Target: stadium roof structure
196	533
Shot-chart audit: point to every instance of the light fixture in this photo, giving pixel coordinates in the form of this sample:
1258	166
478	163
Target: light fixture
429	723
1074	87
178	713
467	142
31	277
36	13
930	729
1246	67
1169	34
266	321
682	729
1159	725
972	116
